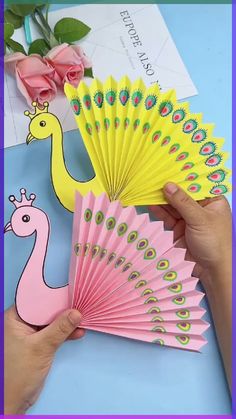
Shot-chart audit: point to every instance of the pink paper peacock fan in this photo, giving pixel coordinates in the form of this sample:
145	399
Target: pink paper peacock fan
126	277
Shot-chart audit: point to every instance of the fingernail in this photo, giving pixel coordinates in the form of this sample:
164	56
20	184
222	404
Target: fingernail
170	188
74	317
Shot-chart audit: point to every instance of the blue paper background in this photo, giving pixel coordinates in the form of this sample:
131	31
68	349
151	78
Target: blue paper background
105	374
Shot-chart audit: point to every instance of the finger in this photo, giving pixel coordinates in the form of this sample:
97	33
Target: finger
172	211
162	215
77	334
59	330
179	229
189	209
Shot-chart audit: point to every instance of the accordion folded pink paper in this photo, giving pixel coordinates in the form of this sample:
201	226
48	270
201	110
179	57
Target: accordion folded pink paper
126	277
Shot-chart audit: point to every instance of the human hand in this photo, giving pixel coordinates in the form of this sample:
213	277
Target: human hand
29	354
204	228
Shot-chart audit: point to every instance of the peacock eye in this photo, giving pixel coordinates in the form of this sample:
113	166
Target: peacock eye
42	123
26	218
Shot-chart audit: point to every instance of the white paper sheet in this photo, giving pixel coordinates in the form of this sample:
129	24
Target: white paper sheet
125	39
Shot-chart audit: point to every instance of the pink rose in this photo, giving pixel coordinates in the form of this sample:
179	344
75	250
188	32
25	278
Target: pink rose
69	61
34	76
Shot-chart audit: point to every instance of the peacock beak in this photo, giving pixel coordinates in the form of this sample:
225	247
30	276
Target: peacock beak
7	227
29	138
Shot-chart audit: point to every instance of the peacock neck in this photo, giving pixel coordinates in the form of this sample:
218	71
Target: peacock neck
33	274
58	168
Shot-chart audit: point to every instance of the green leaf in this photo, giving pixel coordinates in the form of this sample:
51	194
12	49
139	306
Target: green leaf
15	46
22	9
70	30
88	72
16	21
8	30
39	46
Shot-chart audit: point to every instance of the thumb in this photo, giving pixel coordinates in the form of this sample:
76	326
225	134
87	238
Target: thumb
190	210
52	336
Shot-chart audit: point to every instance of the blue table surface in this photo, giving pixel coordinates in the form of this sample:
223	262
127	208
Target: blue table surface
103	374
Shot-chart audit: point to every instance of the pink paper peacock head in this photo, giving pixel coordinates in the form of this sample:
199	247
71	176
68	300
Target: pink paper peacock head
26	219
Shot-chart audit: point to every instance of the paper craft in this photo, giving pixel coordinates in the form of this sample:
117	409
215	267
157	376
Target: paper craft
125	278
137	139
128	39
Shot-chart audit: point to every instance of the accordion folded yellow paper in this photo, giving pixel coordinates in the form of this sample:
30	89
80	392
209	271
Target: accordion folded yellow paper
138	139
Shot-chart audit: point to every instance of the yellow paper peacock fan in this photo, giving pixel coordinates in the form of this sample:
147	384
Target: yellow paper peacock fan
138	139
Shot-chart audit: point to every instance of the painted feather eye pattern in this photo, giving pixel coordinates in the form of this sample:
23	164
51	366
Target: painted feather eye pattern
127	267
153	310
88	127
136	123
117	122
77	248
187	166
146	127
157	319
199	136
185	326
184	340
97	126
95	250
110	223
194	187
156	136
192	176
151	299
179	300
174	148
103	253
170	276
134	275
147	291
175	288
183	314
87	102
163	264
159	329
124	96
133	235
217	176
159	342
178	116
142	244
121	229
150	253
189	126
98	99
119	262
136	98
214	160
86	249
111	257
219	190
110	97
165	108
165	141
182	156
106	123
126	123
76	107
88	214
141	283
99	217
150	102
207	148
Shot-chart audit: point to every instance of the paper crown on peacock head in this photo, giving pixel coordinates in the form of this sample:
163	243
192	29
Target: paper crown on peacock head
43	123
